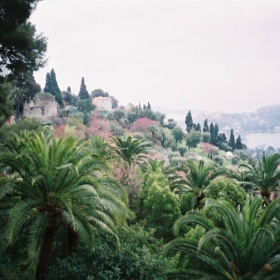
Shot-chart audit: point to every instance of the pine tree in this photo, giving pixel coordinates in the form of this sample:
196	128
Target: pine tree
53	88
231	141
205	126
189	122
83	94
149	106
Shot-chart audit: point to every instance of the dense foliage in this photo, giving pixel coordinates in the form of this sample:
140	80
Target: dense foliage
124	194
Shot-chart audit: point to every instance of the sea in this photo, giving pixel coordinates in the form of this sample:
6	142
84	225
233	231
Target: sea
262	139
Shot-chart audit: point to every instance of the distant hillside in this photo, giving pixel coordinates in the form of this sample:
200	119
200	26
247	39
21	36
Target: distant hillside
262	120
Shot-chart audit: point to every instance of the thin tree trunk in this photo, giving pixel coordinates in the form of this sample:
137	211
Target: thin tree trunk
46	250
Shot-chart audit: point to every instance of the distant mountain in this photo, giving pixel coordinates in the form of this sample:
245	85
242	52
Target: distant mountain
265	119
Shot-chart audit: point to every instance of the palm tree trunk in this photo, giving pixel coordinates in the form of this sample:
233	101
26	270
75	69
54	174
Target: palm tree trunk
46	250
72	240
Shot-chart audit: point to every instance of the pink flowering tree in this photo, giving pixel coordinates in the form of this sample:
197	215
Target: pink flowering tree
209	149
99	127
141	125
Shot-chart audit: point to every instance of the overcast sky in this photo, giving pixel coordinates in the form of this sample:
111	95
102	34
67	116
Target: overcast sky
214	55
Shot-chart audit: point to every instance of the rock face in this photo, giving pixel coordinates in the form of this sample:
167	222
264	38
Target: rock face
43	107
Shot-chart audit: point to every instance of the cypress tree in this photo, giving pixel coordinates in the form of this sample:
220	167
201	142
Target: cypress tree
198	127
216	133
189	122
212	133
53	88
83	94
205	126
231	141
238	143
149	106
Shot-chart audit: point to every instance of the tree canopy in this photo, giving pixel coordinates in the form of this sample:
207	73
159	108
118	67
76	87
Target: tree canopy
21	49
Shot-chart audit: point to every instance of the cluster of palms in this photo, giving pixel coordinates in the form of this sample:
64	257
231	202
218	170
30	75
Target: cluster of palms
48	185
64	188
247	245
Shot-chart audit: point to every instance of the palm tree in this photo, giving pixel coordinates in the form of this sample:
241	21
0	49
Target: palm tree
198	177
100	148
53	184
264	176
247	246
130	150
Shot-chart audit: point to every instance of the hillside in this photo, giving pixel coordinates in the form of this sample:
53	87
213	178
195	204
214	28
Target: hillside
261	120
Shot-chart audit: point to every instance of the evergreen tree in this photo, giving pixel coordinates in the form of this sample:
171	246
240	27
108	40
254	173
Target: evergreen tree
99	93
144	107
238	143
115	102
69	89
221	139
149	106
189	122
216	133
231	141
198	127
21	49
212	133
6	101
53	88
205	126
83	94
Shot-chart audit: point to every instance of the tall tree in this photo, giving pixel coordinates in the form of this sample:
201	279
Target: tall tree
198	127
189	122
6	101
53	88
206	126
231	141
149	106
83	94
238	144
212	133
21	49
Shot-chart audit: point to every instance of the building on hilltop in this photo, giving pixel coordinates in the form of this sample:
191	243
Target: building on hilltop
43	107
103	103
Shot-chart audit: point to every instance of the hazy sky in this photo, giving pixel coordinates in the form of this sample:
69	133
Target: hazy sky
186	54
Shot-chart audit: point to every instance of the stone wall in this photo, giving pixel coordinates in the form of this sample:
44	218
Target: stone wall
43	107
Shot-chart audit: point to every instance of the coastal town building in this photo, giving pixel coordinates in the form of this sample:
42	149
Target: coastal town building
103	103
